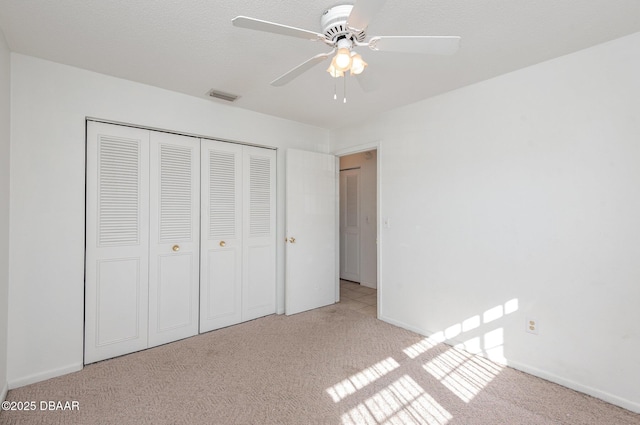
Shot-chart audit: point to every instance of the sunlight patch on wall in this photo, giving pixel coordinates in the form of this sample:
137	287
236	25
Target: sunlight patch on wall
491	345
498	311
361	379
494	345
464	374
493	342
471	323
511	306
403	402
453	331
473	345
493	314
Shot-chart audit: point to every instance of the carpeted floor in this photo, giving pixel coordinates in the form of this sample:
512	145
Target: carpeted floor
332	365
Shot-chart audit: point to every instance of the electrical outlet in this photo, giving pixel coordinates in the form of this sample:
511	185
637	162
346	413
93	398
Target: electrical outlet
532	326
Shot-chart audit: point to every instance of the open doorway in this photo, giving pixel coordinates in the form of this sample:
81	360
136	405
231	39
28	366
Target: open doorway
358	231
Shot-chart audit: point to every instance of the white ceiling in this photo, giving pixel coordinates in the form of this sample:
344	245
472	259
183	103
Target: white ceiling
191	46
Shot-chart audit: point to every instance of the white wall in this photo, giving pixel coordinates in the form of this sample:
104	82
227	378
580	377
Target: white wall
517	198
49	106
5	96
367	162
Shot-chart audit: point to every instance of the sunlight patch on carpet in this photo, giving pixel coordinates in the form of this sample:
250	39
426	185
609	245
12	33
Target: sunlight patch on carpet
424	345
464	374
403	402
361	379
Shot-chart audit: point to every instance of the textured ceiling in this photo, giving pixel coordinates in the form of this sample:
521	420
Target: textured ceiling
191	46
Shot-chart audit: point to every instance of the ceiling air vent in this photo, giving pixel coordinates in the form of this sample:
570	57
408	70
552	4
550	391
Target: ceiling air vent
222	95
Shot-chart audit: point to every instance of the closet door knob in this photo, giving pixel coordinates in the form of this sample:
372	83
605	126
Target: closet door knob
175	248
292	240
222	243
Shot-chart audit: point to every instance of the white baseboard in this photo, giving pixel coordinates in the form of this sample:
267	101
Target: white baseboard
5	390
602	395
369	284
43	376
405	326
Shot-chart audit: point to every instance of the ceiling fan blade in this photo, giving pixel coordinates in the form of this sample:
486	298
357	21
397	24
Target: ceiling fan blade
260	25
362	13
430	45
300	69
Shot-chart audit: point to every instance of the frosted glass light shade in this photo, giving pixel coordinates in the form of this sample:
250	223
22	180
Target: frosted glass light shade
333	71
357	64
342	59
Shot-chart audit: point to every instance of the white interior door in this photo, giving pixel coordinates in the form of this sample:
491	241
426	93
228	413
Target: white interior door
221	237
259	224
174	223
350	225
117	241
311	279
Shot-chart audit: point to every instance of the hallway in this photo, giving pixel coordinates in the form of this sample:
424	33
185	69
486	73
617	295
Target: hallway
359	298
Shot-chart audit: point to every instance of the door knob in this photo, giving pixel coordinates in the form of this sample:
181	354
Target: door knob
292	240
175	248
222	243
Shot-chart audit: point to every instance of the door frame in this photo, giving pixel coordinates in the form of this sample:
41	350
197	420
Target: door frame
377	146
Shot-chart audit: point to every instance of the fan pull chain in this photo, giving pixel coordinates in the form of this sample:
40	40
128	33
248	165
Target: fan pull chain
344	100
335	89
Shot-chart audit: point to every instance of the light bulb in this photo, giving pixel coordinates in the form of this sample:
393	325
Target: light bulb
357	64
333	71
342	59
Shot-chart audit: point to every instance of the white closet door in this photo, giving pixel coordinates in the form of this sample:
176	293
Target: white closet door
259	224
116	241
221	235
174	223
350	225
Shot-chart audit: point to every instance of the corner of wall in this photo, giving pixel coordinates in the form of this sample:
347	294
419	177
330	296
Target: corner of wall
4	391
5	121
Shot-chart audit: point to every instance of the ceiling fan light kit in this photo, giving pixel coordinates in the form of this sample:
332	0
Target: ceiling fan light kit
344	28
343	59
333	70
357	64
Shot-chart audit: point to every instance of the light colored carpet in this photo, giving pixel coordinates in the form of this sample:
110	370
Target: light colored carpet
332	365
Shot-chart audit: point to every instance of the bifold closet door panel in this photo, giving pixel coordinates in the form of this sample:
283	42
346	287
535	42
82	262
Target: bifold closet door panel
174	223
259	243
116	291
221	235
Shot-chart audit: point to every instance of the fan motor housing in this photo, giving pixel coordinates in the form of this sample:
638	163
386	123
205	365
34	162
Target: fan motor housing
334	24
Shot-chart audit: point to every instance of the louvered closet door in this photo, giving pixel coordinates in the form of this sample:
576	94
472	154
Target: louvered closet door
174	223
116	241
221	235
259	248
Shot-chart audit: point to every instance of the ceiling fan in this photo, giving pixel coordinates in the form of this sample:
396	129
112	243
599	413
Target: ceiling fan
344	27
